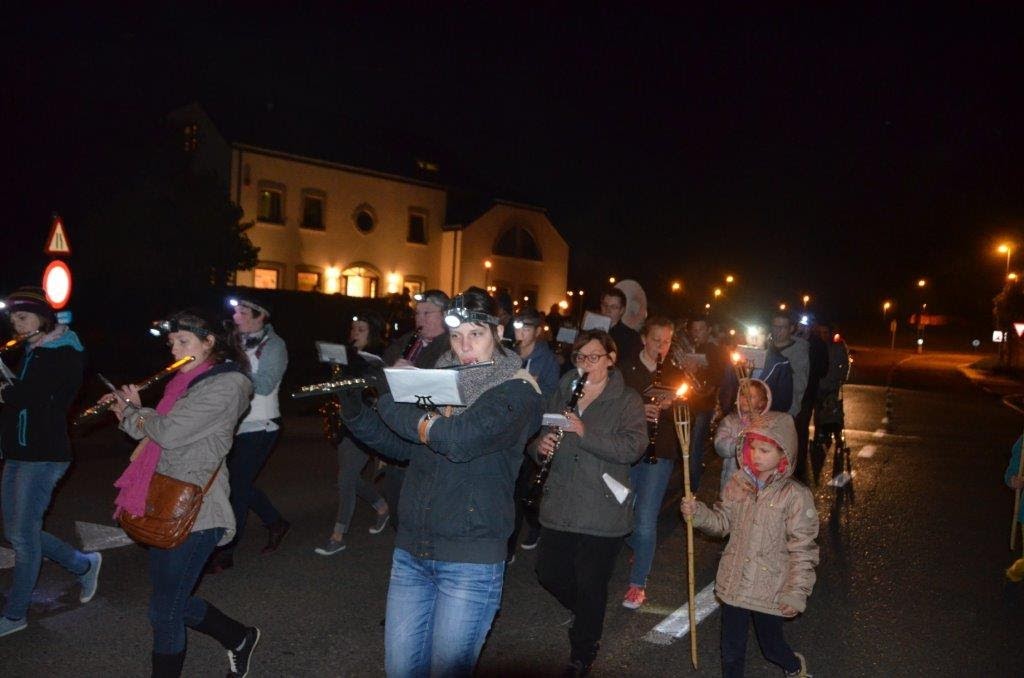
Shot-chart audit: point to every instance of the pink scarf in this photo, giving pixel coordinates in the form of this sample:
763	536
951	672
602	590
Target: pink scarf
134	482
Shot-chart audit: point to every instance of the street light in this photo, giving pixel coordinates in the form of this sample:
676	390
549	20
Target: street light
921	283
1007	249
676	286
885	308
487	272
807	298
707	307
718	292
729	279
782	307
1011	276
611	280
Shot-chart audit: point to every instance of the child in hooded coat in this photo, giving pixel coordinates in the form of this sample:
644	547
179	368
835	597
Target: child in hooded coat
753	399
767	570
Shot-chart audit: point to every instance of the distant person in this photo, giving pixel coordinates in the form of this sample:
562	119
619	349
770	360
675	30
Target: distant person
613	305
705	369
35	444
1014	480
829	418
817	367
767	570
795	350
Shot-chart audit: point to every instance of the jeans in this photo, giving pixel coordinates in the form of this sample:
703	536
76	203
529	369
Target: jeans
735	622
438	615
27	488
575	569
698	439
248	455
173	574
351	460
649	482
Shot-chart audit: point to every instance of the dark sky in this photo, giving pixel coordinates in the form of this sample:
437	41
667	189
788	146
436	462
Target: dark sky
842	151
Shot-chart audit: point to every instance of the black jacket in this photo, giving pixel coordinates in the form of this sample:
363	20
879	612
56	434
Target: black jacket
457	502
638	378
35	407
428	356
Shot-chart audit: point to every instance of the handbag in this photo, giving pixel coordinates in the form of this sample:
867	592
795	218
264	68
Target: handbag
172	507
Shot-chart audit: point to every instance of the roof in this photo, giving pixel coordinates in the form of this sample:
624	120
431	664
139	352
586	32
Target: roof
466	206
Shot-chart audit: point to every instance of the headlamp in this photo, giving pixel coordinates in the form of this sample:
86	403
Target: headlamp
235	302
418	297
3	305
457	314
518	324
160	327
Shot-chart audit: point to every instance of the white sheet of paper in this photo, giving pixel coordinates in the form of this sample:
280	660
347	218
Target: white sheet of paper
700	359
596	321
566	335
756	356
332	353
618	489
411	385
556	419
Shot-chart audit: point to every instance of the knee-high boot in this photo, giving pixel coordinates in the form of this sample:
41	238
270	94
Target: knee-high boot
222	628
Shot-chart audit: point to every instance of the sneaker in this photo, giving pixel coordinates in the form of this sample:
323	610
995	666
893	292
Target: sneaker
277	533
635	597
9	626
382	522
239	659
802	671
531	541
330	547
90	581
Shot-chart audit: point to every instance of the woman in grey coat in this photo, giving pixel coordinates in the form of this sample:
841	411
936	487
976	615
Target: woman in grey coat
586	510
187	436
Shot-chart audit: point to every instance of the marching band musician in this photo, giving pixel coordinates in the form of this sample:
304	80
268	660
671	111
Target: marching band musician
366	334
187	437
705	368
449	561
649	476
582	521
256	435
419	348
37	452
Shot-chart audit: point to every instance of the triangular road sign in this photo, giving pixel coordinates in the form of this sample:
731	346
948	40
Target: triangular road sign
57	242
1019	328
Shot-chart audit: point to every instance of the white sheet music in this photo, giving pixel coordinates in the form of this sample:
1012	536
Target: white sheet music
332	353
566	335
6	373
413	385
596	321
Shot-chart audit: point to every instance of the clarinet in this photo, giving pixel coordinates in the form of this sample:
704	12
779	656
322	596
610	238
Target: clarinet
652	426
407	351
537	488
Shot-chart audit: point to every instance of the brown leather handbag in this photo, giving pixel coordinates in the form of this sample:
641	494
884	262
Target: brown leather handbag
172	507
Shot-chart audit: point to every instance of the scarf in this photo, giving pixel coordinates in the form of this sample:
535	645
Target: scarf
134	482
474	382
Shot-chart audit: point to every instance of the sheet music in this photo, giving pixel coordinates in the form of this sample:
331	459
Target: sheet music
756	356
332	353
596	321
421	386
566	335
554	419
6	373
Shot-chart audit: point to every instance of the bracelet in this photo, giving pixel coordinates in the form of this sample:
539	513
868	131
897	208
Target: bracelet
424	426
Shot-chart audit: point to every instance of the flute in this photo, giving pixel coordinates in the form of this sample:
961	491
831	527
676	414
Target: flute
104	405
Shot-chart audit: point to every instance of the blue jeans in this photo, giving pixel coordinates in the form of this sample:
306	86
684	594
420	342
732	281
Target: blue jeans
27	489
173	574
438	615
649	482
248	455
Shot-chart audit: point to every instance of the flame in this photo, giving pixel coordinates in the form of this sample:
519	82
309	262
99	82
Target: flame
681	391
736	357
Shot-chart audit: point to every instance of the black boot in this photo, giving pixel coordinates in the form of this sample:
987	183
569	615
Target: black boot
222	628
167	665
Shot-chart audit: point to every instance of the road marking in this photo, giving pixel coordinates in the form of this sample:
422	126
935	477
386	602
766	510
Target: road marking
6	558
842	478
677	624
867	451
96	537
879	433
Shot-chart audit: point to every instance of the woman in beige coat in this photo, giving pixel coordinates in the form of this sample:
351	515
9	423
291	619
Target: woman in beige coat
767	570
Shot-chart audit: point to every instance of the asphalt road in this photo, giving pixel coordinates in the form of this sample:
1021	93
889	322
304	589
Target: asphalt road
910	583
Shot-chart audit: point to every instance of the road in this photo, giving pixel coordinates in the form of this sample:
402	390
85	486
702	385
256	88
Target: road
910	582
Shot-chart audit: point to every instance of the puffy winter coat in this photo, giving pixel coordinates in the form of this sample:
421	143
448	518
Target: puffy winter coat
771	554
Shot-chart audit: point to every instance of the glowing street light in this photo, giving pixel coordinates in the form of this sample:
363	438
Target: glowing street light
886	305
487	272
676	286
922	283
1011	276
707	307
611	280
718	292
730	279
782	307
1007	249
806	299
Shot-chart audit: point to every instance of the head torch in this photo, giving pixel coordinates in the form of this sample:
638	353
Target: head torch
162	327
457	314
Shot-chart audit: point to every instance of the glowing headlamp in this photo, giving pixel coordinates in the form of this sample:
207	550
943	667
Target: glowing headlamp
457	314
161	327
234	302
518	324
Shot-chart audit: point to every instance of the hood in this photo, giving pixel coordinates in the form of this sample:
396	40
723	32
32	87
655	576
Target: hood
777	427
60	336
767	390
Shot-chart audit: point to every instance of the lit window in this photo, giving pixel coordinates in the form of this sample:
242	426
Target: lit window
517	242
265	278
307	281
417	228
313	210
271	204
360	281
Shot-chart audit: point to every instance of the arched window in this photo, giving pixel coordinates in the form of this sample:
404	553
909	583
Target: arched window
360	280
517	242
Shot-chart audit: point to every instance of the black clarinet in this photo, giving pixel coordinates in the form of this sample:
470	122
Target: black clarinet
650	457
407	351
537	488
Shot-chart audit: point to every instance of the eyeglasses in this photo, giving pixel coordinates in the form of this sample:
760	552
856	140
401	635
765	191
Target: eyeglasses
589	358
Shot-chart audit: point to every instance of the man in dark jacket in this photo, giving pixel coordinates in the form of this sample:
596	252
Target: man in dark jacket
613	305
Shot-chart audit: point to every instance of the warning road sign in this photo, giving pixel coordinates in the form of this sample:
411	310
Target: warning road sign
57	242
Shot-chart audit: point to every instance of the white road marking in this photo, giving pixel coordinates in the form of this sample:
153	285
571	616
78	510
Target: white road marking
867	451
95	537
6	558
677	624
879	433
842	478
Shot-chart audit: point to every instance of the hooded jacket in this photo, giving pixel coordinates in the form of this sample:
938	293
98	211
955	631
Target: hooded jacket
35	412
729	431
771	554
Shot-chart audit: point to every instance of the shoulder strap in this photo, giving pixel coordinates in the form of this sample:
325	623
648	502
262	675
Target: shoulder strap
210	481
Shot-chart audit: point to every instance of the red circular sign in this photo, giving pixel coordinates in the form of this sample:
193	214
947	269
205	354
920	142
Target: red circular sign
57	284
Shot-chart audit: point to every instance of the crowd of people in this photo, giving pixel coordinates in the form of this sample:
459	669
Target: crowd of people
464	486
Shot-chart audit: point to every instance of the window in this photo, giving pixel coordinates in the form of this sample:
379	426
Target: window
313	209
307	281
414	285
517	242
417	228
365	218
266	278
271	203
360	281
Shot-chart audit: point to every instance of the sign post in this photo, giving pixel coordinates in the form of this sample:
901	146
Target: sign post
892	330
57	276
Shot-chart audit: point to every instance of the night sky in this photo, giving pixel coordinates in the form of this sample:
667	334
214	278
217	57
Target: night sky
840	152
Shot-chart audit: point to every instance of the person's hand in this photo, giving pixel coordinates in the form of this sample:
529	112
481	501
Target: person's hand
786	610
546	444
351	401
1017	483
575	424
651	412
688	507
131	392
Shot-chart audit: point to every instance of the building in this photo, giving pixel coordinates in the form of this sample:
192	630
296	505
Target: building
385	220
